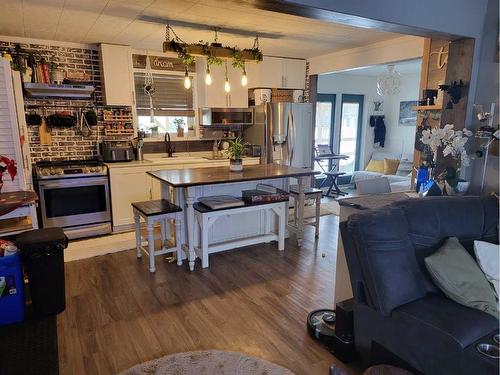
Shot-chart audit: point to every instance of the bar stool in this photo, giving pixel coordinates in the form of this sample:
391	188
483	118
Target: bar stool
310	193
153	212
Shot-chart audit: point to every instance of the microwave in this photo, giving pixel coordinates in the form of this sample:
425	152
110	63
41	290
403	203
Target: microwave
226	116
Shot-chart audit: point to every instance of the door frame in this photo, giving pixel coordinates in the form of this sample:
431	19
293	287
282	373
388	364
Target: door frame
360	99
325	98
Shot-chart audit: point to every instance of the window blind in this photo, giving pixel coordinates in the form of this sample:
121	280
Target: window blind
170	97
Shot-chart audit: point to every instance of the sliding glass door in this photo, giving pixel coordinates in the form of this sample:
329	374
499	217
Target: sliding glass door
351	118
325	117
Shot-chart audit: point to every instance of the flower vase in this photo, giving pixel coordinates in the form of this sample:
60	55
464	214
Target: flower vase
235	165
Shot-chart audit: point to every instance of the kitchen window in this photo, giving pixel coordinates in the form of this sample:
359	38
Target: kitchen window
172	105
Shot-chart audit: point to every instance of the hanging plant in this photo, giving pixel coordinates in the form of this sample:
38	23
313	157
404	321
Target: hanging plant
212	60
238	62
256	53
181	50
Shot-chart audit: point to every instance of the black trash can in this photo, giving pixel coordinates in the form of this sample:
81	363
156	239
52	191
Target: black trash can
42	251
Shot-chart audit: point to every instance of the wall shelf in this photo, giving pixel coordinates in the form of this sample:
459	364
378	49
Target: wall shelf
45	90
433	107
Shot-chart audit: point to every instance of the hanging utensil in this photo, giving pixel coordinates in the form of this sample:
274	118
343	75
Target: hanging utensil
44	133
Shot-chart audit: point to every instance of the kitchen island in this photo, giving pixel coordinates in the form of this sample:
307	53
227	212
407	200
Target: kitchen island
185	186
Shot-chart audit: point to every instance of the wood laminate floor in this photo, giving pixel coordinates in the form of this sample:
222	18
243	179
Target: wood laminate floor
253	300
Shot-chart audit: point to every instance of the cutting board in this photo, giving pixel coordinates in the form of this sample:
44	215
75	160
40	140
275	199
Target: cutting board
44	133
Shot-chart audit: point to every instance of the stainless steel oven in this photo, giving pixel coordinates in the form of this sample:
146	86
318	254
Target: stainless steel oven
75	198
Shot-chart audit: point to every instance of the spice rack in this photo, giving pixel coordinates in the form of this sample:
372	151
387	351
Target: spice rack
118	122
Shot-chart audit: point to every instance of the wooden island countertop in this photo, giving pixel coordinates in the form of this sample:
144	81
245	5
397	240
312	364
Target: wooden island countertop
222	175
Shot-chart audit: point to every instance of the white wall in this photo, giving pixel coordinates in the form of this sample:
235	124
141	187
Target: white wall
399	139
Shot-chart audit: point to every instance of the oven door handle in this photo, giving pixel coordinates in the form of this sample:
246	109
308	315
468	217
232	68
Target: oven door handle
74	183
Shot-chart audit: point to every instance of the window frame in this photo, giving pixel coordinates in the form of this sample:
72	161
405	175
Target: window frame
190	135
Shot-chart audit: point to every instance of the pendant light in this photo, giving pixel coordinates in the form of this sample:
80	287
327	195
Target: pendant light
208	76
388	83
187	80
227	86
244	79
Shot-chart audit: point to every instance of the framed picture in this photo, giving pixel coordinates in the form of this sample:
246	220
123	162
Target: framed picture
407	116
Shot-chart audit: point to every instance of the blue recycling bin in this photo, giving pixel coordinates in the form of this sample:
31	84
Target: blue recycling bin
11	290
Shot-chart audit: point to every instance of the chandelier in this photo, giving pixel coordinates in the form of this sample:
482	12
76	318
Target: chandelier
388	83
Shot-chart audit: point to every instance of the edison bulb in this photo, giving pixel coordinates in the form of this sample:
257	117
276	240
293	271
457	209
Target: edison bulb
187	82
227	86
244	80
208	77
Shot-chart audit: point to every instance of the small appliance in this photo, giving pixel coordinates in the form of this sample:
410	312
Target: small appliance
226	116
254	151
114	151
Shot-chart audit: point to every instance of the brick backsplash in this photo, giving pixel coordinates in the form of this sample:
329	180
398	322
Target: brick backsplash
66	142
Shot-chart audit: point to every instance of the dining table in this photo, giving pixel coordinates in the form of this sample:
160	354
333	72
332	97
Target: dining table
185	186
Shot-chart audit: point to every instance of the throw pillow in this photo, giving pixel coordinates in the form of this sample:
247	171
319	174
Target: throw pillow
375	166
457	274
488	258
404	168
391	166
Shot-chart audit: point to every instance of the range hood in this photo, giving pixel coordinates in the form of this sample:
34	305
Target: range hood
43	90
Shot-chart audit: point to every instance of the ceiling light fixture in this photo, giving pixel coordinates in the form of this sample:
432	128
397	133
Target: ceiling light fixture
244	79
227	86
187	80
388	83
208	76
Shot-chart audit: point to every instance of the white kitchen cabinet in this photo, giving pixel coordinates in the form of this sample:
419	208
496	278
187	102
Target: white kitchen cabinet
277	72
128	185
116	73
214	96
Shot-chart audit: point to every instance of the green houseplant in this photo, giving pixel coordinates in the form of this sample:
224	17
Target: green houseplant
179	124
235	152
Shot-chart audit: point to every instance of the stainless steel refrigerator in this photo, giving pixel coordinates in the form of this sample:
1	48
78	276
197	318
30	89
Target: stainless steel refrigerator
285	133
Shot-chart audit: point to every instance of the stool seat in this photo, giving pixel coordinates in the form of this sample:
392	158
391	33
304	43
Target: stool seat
154	212
156	207
294	189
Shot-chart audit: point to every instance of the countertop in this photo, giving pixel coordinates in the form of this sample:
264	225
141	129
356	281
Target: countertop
220	175
178	158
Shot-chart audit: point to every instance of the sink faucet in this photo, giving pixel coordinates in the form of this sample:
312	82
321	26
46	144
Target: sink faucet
168	145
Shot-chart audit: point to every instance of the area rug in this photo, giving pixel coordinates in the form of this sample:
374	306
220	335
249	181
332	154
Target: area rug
326	208
209	362
29	347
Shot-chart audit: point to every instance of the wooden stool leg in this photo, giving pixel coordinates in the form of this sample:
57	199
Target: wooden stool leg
281	227
318	213
178	247
163	229
204	241
151	246
138	242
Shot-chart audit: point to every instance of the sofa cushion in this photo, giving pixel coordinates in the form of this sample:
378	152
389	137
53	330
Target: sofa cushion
375	166
390	166
387	257
404	168
457	274
488	258
434	316
433	219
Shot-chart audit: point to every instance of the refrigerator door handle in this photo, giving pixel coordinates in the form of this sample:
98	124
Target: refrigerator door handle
291	137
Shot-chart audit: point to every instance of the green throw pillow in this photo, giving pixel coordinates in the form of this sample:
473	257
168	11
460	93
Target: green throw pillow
457	274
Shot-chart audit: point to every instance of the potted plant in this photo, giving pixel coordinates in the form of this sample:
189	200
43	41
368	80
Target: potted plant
235	152
154	131
179	123
452	143
9	166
